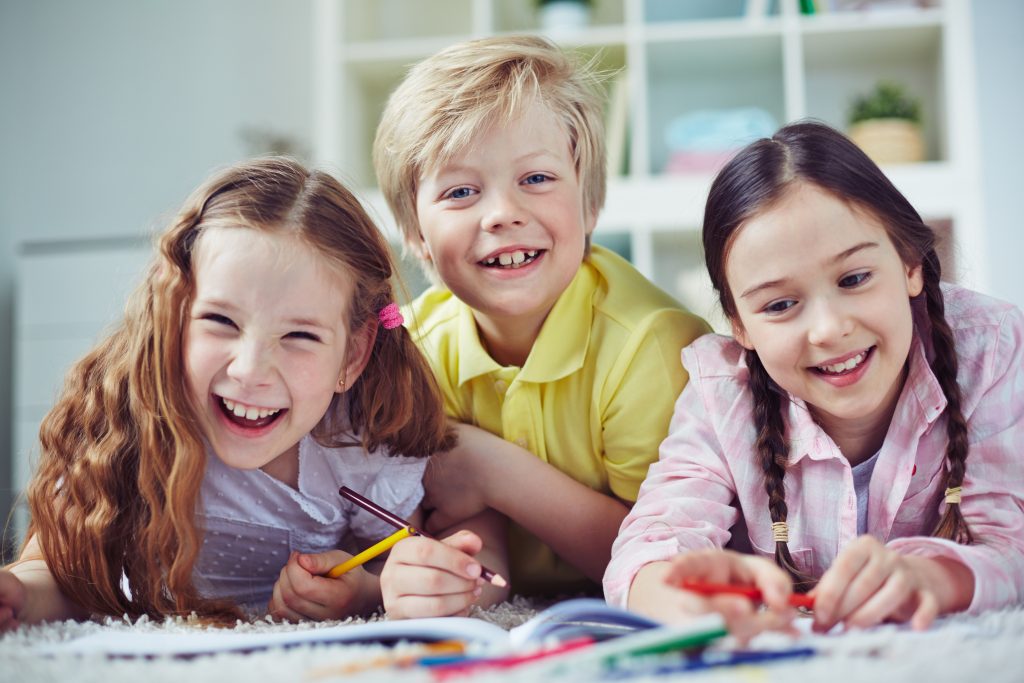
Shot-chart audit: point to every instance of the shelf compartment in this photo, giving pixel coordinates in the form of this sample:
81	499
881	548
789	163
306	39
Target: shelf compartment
401	19
715	73
519	16
848	56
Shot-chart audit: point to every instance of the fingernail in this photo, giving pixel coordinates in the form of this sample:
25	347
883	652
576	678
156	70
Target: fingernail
473	570
478	590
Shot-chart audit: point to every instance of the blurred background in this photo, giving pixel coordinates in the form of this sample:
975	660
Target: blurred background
112	111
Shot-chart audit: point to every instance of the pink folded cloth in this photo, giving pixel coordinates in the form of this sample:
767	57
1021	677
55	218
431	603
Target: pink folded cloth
681	162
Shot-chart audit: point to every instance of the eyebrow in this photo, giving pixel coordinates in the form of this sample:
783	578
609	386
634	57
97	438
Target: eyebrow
457	168
835	259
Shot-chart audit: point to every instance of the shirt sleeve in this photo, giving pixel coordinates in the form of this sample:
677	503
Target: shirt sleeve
684	504
641	391
993	491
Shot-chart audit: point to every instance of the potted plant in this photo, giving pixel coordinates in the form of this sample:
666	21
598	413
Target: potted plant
886	124
562	15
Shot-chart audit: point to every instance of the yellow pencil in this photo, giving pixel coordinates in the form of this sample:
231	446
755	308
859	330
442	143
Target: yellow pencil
371	552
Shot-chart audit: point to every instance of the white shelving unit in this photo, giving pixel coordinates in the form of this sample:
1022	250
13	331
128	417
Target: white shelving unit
682	56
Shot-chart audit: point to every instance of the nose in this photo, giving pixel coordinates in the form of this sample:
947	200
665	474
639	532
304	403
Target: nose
503	210
828	322
252	363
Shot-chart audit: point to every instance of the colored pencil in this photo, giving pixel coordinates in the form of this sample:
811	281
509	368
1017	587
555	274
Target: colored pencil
707	588
371	552
391	518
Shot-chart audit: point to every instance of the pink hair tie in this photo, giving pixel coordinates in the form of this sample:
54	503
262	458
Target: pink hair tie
390	317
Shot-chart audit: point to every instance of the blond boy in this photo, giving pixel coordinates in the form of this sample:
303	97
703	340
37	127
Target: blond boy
560	361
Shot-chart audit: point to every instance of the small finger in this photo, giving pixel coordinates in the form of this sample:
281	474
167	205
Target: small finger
832	591
926	612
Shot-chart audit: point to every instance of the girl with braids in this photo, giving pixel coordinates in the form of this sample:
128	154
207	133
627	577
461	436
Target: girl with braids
860	437
193	460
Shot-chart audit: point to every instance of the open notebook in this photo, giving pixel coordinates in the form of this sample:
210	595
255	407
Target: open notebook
564	621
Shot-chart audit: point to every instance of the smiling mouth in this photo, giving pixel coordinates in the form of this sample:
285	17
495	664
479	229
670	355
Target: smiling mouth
246	416
512	259
847	366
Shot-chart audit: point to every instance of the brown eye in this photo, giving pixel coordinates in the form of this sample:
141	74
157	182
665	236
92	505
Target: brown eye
853	280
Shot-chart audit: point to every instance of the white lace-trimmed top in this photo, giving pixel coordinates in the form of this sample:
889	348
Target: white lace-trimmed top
253	521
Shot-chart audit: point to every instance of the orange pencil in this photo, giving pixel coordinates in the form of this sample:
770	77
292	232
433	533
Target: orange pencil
393	519
707	588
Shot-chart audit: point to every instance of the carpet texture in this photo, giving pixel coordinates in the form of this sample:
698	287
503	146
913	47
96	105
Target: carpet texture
988	648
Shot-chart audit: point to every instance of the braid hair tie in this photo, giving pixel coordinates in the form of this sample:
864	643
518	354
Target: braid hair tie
953	495
780	532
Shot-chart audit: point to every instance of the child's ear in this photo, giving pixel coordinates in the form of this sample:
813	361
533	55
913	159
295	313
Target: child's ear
740	335
360	346
915	280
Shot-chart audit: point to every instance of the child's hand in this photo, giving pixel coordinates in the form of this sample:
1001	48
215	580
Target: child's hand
656	592
424	577
868	584
303	591
12	599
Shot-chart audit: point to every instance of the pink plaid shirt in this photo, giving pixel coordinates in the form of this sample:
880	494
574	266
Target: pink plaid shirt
706	490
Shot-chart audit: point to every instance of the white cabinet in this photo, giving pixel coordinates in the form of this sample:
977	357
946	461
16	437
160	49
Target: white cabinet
681	57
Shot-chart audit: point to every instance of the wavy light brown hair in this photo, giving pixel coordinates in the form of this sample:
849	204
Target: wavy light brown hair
122	454
753	181
447	99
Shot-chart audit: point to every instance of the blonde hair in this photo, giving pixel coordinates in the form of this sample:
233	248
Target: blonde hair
122	453
448	98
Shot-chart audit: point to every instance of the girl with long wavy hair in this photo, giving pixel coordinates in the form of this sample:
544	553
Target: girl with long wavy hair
193	460
859	435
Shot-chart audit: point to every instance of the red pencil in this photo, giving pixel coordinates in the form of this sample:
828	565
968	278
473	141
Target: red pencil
707	588
393	519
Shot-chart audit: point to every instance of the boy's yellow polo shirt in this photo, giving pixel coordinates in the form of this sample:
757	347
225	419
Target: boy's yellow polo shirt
593	399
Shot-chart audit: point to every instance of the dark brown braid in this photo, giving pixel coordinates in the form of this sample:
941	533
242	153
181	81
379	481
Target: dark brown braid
774	455
952	525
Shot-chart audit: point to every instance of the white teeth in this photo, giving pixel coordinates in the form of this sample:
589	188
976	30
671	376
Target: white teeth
848	364
248	412
511	258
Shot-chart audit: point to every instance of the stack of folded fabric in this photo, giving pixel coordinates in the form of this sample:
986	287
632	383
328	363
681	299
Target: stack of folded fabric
702	141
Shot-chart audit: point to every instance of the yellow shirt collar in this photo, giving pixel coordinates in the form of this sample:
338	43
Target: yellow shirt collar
561	345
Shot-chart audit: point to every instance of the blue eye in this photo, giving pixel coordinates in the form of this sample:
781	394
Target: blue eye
537	179
458	193
854	280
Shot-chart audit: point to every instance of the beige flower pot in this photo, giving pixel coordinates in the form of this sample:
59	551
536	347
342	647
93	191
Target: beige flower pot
889	141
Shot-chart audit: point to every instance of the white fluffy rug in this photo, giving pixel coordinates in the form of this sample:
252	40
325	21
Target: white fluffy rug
988	648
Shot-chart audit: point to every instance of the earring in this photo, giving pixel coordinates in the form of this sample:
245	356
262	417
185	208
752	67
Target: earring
341	384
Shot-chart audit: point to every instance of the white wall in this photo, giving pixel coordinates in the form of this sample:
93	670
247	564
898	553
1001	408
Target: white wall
998	27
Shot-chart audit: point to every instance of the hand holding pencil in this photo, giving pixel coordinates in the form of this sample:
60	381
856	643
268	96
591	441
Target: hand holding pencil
424	576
